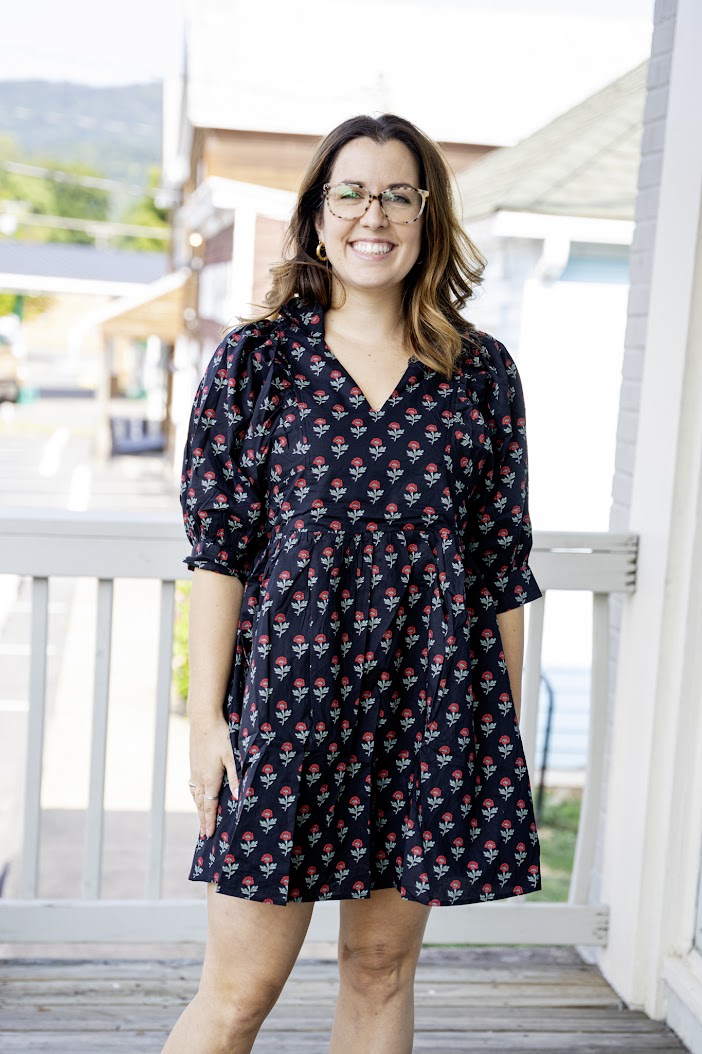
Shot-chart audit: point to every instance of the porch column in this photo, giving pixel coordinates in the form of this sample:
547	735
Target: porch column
653	820
243	255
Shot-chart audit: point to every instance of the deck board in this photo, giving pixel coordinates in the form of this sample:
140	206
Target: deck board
483	999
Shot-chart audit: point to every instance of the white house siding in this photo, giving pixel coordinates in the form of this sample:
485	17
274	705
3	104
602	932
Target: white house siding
566	334
640	263
498	304
651	830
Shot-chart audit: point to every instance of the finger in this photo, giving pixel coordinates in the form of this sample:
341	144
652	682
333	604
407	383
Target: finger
196	784
232	778
197	799
211	807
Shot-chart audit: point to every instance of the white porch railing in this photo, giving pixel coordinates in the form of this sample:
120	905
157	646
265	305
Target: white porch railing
109	546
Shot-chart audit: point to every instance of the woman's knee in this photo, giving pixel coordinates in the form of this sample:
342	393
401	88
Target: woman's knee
239	1009
251	948
376	967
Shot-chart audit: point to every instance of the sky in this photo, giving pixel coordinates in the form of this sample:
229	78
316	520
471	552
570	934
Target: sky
134	41
141	40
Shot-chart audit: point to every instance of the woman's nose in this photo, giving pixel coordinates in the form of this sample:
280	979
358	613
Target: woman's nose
374	215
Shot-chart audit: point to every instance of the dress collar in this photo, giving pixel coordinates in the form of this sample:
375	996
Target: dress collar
308	314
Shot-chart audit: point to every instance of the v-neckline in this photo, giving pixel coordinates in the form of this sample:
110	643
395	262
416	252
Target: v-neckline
413	361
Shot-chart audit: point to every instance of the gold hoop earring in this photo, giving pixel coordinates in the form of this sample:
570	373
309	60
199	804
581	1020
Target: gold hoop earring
320	250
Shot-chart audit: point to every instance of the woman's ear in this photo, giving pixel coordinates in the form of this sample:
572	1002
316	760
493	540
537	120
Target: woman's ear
318	225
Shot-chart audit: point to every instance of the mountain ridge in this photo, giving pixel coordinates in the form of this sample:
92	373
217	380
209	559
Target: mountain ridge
115	129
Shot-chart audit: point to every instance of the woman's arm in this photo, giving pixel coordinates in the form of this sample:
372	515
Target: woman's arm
511	624
215	605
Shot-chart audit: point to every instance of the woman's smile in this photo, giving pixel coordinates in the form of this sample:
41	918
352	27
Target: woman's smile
371	249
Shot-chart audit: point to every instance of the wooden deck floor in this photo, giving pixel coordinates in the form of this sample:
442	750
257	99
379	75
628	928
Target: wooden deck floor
473	999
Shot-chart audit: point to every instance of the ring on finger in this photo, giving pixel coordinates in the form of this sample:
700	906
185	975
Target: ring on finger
211	797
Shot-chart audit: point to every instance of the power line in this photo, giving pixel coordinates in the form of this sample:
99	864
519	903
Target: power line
58	175
98	228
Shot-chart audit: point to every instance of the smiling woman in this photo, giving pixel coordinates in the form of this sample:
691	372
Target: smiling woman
383	230
355	492
370	237
351	205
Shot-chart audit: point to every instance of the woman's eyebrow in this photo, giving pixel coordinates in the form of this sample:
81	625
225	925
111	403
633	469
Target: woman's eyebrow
390	186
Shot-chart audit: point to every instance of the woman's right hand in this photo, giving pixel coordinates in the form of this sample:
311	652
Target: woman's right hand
215	604
211	755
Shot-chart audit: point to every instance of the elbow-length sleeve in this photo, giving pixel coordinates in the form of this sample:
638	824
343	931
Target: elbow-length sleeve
222	482
498	529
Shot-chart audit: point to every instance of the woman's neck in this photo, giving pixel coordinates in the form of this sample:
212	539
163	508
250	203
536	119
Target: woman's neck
367	317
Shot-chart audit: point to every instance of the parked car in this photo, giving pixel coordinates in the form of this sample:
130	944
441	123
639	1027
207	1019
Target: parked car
9	371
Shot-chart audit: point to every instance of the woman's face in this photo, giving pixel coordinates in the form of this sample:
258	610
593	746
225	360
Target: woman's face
376	166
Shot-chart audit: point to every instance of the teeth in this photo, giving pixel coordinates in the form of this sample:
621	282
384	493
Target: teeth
371	249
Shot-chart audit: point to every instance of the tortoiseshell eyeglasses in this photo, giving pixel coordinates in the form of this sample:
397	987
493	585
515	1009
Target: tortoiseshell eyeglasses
401	202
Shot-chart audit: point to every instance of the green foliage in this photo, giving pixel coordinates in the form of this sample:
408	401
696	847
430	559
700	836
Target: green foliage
71	199
145	212
112	131
181	668
558	828
54	196
50	197
27	305
13	187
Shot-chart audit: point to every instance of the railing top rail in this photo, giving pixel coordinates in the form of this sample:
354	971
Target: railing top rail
97	543
106	543
51	521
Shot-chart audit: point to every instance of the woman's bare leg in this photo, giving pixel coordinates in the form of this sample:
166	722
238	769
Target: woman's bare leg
380	938
251	949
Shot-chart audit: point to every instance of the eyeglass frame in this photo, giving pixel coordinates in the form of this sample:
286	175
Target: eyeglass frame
326	187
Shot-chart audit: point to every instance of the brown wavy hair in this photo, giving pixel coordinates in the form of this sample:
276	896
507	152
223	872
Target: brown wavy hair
449	264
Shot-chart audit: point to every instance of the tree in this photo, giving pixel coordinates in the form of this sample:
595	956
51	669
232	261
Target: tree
146	213
51	195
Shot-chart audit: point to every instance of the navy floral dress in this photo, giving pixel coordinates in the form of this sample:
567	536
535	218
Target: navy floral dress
369	706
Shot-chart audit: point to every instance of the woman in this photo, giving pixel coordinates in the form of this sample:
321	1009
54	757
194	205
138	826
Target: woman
355	491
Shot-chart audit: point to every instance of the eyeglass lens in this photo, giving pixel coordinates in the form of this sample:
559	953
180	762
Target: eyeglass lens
402	204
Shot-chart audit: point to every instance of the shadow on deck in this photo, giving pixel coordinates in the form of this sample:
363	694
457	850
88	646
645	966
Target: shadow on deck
468	999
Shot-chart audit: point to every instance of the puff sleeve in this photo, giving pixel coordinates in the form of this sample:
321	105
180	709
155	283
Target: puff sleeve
498	529
222	481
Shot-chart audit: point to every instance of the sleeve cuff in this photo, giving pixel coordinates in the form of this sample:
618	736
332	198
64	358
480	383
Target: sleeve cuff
210	563
515	588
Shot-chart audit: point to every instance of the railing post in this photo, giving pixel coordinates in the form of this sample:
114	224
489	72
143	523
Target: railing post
532	683
35	735
157	816
95	816
590	805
